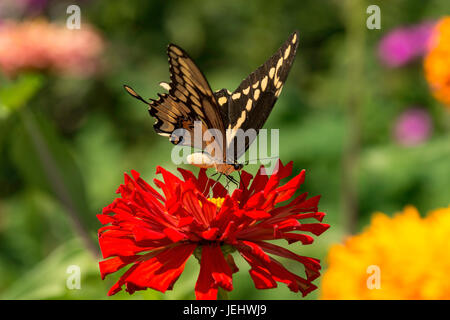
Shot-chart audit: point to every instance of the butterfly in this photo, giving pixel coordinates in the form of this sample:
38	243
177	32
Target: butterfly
190	103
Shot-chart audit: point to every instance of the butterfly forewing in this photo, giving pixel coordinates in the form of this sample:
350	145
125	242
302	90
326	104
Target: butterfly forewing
189	85
189	99
251	103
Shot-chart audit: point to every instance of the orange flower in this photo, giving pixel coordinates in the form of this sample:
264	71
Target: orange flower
437	62
403	257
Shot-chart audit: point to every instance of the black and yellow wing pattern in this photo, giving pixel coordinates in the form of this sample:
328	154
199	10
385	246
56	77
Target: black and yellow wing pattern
191	99
250	104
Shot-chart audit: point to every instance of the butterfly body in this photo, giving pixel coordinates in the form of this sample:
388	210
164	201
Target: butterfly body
190	106
204	160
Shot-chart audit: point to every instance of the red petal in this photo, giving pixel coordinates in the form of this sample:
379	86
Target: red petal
231	263
104	219
214	272
111	246
257	214
286	191
210	234
255	201
174	235
114	264
315	228
245	180
221	271
159	272
205	288
260	262
312	266
142	234
192	205
294	237
262	278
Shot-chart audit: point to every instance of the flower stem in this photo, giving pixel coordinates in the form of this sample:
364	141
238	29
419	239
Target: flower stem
356	29
53	173
222	294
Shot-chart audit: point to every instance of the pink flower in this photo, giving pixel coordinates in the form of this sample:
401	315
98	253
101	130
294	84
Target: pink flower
404	44
413	127
40	45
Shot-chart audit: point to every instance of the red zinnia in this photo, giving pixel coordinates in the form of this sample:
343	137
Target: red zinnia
157	234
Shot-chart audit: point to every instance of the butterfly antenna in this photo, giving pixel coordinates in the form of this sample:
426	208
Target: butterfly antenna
134	94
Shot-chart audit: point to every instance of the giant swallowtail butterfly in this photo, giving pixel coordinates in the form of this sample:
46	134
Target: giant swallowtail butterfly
191	101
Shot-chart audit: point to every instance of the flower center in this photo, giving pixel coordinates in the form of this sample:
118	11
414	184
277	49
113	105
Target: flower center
217	201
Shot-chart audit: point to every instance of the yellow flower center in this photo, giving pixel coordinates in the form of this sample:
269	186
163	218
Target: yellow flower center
217	201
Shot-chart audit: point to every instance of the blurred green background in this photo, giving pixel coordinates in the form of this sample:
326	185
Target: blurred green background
66	141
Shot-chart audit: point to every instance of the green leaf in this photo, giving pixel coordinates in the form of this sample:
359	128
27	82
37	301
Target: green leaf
16	94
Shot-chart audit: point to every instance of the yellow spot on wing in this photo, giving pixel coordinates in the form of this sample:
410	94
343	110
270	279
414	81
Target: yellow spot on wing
239	122
222	100
165	85
271	72
264	83
256	94
255	85
249	105
278	91
246	91
279	84
236	96
294	38
279	63
286	52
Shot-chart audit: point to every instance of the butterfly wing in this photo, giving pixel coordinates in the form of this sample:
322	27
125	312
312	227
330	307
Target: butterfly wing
251	103
189	99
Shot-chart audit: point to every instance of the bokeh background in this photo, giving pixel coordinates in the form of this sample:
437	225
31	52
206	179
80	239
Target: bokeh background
356	112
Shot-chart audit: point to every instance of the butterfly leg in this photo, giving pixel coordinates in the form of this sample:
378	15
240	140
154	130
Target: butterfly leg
207	183
220	176
230	179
